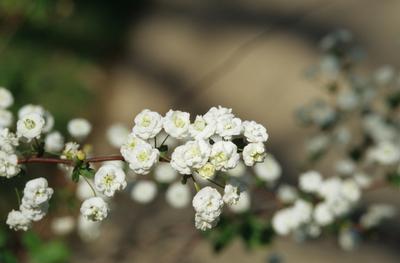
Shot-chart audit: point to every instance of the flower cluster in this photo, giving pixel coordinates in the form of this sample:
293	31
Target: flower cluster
34	204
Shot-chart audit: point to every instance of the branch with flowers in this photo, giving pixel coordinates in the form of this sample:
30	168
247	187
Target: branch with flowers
218	162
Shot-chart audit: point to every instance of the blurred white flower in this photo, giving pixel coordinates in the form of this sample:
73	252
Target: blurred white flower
63	225
310	181
6	98
287	194
87	229
164	173
322	214
269	170
54	142
178	195
117	134
144	192
243	204
6	118
385	153
79	128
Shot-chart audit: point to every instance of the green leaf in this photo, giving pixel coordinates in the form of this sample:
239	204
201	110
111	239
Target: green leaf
75	175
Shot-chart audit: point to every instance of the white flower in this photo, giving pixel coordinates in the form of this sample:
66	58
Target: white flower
108	179
376	213
131	143
282	221
176	124
203	224
208	201
208	206
238	171
34	213
362	180
54	142
322	214
269	170
231	194
178	195
385	153
117	134
30	126
36	192
63	225
345	167
147	124
94	209
253	153
6	98
16	220
330	188
191	155
350	190
215	115
348	239
347	100
6	118
142	159
243	204
30	108
83	190
8	164
224	155
144	192
79	128
164	173
310	181
8	140
202	129
70	151
87	229
228	126
254	132
287	193
207	171
47	117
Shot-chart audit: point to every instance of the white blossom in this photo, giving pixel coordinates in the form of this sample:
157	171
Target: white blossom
88	230
208	206
94	209
228	126
176	124
254	153
215	115
310	181
35	213
70	151
191	155
287	193
254	132
385	153
131	143
63	225
16	220
376	213
47	117
79	128
269	170
224	155
202	129
243	204
231	194
54	142
109	179
207	171
322	214
37	192
6	118
164	173
147	124
30	126
8	140
6	98
178	195
144	192
143	158
238	171
117	134
345	167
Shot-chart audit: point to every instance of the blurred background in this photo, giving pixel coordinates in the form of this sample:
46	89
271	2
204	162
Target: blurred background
108	60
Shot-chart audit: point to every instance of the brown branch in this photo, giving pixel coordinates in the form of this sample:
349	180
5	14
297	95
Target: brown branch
70	162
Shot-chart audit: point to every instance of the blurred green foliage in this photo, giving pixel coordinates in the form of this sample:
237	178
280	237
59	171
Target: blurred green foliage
49	50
